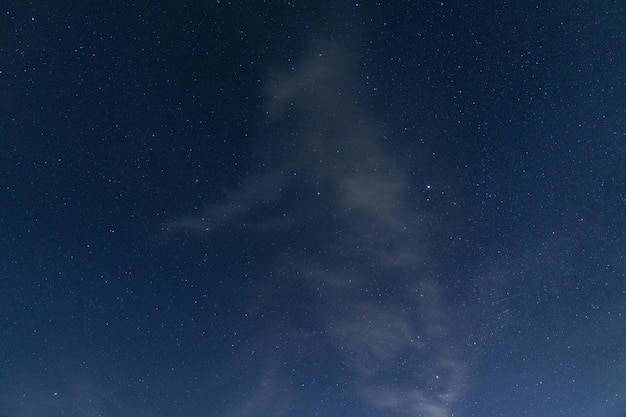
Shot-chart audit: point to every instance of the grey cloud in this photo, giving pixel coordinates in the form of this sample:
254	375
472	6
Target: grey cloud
375	334
414	401
336	148
266	398
238	205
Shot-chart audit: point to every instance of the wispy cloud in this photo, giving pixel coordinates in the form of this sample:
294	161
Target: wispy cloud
377	309
267	398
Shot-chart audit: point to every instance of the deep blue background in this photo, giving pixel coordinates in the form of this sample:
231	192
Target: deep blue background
123	127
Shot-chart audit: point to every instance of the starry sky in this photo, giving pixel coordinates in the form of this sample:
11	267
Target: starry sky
300	209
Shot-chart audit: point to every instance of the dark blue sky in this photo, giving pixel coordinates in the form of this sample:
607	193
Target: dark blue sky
220	209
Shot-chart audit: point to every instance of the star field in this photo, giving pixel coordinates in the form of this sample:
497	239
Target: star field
279	209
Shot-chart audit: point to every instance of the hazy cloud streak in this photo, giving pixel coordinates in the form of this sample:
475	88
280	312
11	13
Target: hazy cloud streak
389	325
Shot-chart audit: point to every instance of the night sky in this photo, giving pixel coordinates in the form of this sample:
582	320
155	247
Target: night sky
300	209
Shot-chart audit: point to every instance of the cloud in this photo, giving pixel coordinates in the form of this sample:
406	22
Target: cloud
266	398
335	182
374	335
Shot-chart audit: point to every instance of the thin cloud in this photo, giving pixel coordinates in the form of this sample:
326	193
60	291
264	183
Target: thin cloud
266	398
375	307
